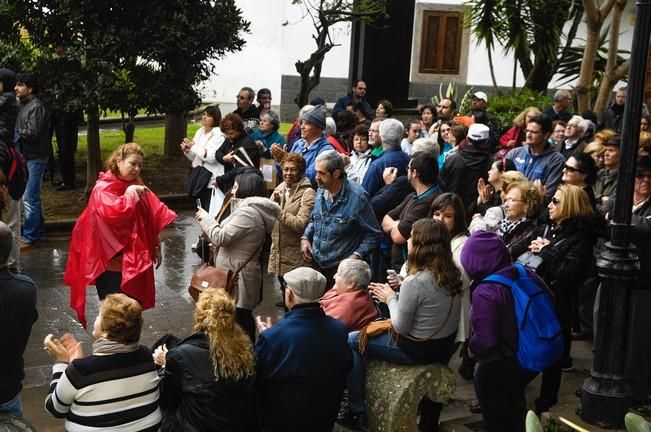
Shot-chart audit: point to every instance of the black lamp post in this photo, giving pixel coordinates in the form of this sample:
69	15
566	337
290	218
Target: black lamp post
606	394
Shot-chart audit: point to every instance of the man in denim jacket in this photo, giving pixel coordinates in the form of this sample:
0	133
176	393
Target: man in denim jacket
342	224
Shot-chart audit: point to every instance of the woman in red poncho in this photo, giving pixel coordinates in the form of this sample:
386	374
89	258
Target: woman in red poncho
115	240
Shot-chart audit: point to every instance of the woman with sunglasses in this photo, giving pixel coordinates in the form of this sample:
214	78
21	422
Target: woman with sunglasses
580	170
565	246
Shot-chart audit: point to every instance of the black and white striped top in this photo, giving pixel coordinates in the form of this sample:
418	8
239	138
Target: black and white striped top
116	392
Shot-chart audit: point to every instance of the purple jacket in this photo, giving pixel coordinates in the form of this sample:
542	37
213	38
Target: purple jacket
494	332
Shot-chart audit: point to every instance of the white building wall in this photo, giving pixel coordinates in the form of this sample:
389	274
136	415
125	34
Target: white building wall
272	49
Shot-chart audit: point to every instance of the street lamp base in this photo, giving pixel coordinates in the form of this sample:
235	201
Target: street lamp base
605	400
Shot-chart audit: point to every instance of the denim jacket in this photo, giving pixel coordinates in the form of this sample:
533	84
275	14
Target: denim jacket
347	226
320	145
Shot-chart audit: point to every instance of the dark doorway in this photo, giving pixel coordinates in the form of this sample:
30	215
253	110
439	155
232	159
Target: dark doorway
381	54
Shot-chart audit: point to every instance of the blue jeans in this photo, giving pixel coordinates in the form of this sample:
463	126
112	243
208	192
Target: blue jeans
379	347
34	225
14	406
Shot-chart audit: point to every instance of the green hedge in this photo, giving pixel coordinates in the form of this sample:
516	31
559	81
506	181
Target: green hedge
507	107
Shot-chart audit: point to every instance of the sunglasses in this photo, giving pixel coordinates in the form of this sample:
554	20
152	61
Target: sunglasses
572	169
556	201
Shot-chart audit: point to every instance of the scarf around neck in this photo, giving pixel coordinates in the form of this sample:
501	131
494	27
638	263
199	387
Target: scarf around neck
104	346
507	226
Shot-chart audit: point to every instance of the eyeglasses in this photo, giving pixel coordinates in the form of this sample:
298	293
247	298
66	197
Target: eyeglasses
643	176
572	169
556	201
571	126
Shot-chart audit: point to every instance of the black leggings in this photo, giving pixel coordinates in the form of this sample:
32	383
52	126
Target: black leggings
108	283
500	388
244	317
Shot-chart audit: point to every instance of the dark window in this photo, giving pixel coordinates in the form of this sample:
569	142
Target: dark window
441	42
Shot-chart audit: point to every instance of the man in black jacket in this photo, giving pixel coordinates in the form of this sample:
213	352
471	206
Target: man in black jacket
614	114
32	129
462	170
17	315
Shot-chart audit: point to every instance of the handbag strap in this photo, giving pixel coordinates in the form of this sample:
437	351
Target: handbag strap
225	205
252	255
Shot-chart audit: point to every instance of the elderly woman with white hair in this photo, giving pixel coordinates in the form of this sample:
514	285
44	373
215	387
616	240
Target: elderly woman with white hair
267	134
349	301
391	133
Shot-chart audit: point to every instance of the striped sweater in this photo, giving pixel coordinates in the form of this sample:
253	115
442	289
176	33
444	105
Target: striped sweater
116	392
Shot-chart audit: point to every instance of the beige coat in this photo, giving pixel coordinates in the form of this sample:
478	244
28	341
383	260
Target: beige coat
286	236
238	237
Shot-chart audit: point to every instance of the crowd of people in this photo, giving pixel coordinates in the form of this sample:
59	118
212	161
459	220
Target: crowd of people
373	218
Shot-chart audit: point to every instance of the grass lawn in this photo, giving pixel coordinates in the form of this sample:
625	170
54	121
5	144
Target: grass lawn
149	138
163	175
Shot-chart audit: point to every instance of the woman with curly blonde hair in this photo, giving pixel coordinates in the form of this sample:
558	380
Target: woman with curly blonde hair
207	378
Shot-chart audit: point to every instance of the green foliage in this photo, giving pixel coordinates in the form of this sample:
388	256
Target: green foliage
182	37
570	67
507	107
531	29
450	93
122	54
150	139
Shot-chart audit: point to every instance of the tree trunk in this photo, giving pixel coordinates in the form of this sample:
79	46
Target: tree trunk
176	128
584	83
492	69
94	161
594	17
128	127
607	83
613	72
540	75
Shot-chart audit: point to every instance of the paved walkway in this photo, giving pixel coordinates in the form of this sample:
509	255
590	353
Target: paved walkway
173	314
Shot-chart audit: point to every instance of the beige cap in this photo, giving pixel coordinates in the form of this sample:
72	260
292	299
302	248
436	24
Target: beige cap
306	283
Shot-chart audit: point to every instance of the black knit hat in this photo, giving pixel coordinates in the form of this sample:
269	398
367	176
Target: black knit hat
643	165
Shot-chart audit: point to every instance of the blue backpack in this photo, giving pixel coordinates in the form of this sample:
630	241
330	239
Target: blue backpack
540	340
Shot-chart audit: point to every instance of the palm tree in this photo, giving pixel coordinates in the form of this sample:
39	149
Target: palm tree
531	29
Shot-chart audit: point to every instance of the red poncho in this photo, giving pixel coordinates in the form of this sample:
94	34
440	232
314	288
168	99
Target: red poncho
116	222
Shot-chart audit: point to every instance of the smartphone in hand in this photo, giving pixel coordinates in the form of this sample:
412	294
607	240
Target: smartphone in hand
199	203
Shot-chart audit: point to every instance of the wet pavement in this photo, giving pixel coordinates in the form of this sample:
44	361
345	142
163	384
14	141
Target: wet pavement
173	314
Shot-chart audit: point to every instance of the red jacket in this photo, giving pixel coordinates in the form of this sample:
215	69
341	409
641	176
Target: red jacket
113	222
355	308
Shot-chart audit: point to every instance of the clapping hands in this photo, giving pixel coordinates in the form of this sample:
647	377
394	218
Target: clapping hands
65	349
